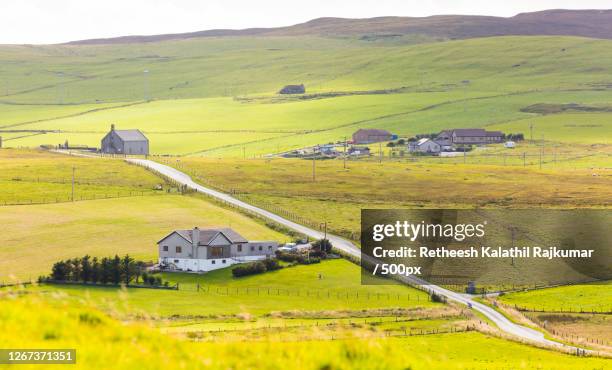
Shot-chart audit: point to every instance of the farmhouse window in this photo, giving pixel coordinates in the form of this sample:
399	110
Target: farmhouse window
175	261
165	248
260	248
179	250
216	252
223	261
252	248
239	248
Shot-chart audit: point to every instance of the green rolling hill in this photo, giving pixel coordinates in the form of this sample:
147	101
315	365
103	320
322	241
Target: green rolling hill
216	95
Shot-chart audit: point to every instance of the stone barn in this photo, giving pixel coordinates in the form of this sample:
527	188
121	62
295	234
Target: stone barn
125	142
293	89
367	136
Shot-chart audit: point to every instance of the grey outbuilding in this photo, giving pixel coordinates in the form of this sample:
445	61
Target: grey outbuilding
125	142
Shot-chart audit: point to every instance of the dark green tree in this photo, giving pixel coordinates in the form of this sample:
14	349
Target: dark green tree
128	269
116	270
75	274
105	276
85	269
60	271
96	270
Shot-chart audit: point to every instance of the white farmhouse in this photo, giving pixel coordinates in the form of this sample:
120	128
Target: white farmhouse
424	146
204	250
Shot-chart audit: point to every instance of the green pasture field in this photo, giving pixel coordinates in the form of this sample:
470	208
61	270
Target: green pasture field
339	289
36	236
38	176
48	321
581	128
16	115
589	328
581	297
224	104
371	183
226	127
383	323
212	67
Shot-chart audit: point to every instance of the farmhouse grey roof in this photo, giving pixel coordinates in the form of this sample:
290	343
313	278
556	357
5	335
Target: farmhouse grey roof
374	131
130	135
208	235
470	132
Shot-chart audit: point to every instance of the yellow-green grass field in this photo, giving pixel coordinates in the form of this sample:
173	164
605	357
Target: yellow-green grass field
36	236
581	297
296	290
38	176
226	127
338	194
584	328
102	342
578	128
237	66
203	86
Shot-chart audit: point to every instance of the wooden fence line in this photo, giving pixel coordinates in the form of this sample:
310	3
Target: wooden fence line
318	293
78	198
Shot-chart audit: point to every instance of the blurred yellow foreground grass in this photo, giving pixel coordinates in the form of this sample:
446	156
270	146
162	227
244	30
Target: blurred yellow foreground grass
32	320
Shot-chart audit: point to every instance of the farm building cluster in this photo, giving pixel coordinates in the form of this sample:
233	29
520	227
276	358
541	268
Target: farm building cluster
454	140
451	140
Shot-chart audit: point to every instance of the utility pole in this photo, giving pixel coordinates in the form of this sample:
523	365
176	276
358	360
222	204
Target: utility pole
72	183
541	151
512	233
60	88
313	169
380	153
524	160
531	132
146	85
244	152
345	153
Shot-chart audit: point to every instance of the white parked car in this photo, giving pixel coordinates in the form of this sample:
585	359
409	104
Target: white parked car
510	144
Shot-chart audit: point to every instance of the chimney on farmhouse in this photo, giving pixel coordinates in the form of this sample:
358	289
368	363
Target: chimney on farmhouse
195	239
112	127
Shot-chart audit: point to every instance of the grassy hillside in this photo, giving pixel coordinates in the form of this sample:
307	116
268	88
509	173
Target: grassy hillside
45	322
216	96
36	236
588	297
36	176
589	23
240	66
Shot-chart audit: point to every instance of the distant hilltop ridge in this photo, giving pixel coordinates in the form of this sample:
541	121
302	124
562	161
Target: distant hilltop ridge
585	23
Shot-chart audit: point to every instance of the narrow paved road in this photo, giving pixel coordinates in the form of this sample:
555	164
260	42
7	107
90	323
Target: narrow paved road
346	246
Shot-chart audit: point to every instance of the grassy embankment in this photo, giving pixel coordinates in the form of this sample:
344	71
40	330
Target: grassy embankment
294	291
102	342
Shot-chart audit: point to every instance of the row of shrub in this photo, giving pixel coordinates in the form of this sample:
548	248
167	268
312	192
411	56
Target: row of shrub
297	258
319	251
107	270
258	267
